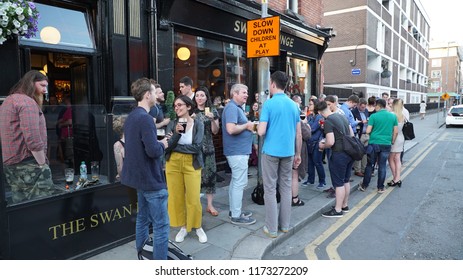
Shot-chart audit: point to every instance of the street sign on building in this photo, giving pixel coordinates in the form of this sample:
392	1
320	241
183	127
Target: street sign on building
263	37
356	72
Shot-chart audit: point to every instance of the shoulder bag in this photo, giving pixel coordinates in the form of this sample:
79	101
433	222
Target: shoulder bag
352	146
408	131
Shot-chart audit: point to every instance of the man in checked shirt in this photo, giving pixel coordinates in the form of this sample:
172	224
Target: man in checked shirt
23	134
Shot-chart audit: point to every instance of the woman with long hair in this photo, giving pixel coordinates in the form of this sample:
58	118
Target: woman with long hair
398	146
210	118
314	155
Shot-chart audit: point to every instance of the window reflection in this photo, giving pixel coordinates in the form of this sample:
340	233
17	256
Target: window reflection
211	63
82	136
72	27
298	72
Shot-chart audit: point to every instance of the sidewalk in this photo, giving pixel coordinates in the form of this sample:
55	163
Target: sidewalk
228	241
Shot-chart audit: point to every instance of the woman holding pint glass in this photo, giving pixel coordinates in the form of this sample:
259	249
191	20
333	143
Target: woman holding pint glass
184	161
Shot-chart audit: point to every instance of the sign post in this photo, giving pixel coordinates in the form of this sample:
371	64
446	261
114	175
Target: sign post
263	39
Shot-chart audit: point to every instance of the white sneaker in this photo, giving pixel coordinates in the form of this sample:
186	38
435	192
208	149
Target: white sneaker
181	235
201	235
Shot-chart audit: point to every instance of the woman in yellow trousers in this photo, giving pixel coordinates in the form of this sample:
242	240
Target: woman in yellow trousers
183	170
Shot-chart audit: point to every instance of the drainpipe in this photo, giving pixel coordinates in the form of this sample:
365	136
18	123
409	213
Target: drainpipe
152	38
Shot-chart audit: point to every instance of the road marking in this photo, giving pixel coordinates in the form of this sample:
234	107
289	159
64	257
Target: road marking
312	247
332	247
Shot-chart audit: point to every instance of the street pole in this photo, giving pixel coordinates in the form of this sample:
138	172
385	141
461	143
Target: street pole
263	79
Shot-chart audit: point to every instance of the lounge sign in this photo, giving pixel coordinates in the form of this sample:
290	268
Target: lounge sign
263	37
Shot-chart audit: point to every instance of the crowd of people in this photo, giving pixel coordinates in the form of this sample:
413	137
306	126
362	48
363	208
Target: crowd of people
297	140
170	162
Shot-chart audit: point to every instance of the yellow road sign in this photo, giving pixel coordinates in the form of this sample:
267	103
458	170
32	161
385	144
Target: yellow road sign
445	96
263	37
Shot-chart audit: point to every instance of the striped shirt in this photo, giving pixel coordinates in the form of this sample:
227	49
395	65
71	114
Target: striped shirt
22	128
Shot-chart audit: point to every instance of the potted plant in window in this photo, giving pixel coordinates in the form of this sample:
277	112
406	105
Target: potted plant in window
17	18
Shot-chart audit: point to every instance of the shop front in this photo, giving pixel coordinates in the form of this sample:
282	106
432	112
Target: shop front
212	50
206	40
99	49
90	51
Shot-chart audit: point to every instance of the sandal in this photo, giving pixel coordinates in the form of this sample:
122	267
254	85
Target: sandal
212	212
298	202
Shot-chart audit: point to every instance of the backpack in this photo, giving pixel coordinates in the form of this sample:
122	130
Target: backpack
174	252
352	146
257	195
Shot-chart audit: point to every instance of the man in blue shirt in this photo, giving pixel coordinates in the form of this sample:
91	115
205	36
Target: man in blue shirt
347	106
280	124
237	144
142	170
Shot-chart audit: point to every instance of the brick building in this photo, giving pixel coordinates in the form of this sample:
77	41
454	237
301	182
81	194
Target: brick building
380	46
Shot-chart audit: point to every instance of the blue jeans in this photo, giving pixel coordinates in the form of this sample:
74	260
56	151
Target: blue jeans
375	153
152	208
239	180
314	158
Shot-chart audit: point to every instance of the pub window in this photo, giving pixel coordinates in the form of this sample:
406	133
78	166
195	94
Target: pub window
118	17
135	18
62	28
211	63
298	71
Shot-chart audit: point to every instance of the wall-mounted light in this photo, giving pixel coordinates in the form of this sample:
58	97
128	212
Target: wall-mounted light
50	35
183	53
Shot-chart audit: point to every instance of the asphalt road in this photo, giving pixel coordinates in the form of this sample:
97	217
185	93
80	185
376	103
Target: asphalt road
422	220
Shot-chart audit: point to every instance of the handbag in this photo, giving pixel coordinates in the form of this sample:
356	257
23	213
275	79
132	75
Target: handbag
408	131
352	146
257	195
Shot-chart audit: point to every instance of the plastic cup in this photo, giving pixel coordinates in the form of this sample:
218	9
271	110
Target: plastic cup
69	175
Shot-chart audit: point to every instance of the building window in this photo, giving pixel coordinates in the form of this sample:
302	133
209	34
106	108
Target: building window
381	37
299	76
62	28
293	5
135	24
436	62
436	74
118	17
211	63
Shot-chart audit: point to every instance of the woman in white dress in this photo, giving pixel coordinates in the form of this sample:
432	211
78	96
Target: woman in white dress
422	109
398	146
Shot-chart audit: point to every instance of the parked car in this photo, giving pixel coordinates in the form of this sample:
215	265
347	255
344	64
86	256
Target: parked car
454	116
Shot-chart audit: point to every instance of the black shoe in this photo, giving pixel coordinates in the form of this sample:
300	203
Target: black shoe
344	209
332	214
395	184
298	202
362	188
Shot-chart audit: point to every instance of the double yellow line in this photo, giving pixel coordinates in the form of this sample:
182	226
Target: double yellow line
332	247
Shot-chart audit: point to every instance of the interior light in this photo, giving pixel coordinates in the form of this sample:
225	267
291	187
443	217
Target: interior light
45	68
50	35
216	72
183	53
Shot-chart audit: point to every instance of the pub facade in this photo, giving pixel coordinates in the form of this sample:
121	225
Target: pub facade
91	51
